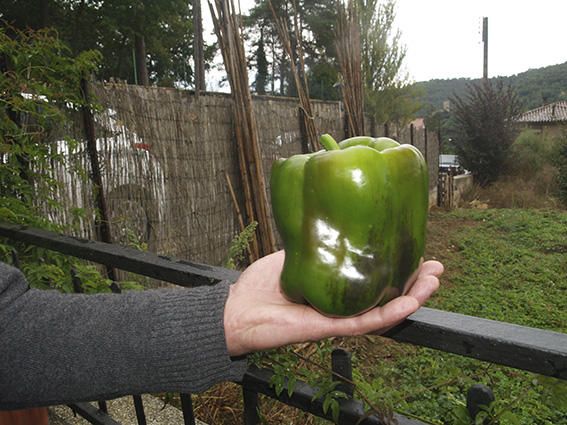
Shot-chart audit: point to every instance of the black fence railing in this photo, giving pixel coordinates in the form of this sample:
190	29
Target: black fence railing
520	347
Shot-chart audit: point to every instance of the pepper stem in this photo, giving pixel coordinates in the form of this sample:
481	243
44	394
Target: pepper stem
329	143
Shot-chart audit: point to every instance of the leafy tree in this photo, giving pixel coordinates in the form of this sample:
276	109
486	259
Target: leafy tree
262	66
484	119
315	20
39	89
260	24
39	80
121	30
389	96
164	27
323	81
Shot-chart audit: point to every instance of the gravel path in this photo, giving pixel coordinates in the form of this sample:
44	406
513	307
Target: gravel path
122	411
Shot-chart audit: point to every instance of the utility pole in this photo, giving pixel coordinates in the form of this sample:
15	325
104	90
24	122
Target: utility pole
485	42
198	52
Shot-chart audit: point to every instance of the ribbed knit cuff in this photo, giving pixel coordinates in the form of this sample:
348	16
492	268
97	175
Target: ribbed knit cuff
187	340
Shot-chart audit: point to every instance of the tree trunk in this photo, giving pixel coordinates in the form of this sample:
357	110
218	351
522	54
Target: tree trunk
141	66
273	83
283	72
44	13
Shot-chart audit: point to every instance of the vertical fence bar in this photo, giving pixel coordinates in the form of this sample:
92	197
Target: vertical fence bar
342	370
251	416
478	395
102	406
187	409
77	283
15	259
139	406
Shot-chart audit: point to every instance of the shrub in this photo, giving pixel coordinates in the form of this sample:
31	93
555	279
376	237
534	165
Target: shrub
485	128
529	153
561	163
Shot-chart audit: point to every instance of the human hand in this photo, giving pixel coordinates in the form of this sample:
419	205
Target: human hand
258	317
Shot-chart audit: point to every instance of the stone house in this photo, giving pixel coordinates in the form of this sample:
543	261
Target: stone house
550	119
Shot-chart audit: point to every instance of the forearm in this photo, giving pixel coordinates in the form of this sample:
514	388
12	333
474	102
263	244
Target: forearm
57	348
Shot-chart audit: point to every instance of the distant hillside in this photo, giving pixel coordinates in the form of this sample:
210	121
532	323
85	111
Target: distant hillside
534	87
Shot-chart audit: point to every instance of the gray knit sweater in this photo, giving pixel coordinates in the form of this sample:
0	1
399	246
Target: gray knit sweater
58	348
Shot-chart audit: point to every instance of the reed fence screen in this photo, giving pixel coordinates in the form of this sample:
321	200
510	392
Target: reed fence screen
165	156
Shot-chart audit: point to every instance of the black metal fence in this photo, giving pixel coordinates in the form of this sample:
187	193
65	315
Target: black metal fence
520	347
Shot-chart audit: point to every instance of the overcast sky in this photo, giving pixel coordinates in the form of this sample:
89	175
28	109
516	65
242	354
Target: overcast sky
444	37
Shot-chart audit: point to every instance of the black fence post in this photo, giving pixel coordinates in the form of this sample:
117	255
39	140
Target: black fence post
478	395
77	282
139	406
251	416
342	370
187	409
15	259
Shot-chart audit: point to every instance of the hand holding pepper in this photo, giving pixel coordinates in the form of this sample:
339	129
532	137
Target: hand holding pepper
258	317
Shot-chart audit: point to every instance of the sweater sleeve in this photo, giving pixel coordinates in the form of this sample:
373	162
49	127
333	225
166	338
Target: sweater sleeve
58	348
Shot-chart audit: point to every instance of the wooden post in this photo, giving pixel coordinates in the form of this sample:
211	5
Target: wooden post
198	52
485	42
303	134
102	219
425	143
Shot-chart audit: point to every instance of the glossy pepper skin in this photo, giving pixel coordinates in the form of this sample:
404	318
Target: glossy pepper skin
352	219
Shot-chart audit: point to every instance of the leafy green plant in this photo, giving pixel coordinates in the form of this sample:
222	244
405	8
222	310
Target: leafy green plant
239	246
495	414
561	163
529	153
40	81
39	89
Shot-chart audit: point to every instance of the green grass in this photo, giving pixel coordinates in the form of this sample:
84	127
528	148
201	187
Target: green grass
512	266
507	265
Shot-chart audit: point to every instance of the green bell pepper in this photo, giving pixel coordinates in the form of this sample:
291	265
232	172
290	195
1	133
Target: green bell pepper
352	219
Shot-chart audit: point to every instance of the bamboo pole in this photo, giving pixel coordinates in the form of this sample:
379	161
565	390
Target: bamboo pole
305	108
349	55
228	29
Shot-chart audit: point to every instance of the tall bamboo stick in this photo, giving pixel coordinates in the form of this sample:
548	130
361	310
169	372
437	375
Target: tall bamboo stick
349	56
228	29
298	75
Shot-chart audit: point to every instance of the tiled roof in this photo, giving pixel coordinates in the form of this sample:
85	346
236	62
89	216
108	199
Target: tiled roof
554	112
